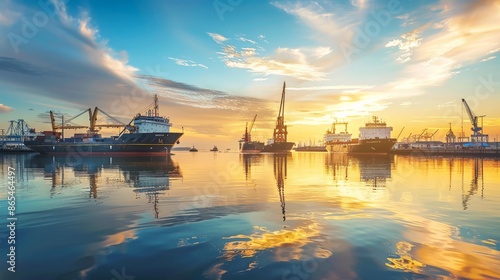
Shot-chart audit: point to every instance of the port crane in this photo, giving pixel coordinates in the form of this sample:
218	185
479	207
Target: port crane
93	126
477	131
280	132
17	132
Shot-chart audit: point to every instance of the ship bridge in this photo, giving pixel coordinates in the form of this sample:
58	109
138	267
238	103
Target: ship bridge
376	129
152	122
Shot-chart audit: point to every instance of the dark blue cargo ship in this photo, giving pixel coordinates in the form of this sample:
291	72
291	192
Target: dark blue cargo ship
148	135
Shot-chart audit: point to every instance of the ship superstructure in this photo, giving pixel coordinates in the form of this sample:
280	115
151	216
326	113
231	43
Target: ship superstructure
374	137
337	141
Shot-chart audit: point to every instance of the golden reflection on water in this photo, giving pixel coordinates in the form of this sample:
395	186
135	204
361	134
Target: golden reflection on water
439	245
119	238
405	261
263	239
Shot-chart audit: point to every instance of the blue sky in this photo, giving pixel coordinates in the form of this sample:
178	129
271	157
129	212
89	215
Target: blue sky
217	63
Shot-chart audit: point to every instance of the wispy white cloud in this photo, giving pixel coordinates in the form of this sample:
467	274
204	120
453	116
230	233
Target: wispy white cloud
219	39
359	3
284	61
406	44
488	58
332	24
260	79
464	36
320	52
4	109
332	87
8	15
186	62
327	23
243	39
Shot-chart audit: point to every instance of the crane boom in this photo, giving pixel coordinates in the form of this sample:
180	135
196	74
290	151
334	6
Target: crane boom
400	132
52	121
281	114
93	119
473	118
251	125
87	110
120	123
434	133
63	125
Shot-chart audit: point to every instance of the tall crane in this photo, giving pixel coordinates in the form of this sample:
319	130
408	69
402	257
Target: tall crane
477	131
473	119
280	132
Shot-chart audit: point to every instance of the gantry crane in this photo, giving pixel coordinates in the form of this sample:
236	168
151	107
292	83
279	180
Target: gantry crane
477	131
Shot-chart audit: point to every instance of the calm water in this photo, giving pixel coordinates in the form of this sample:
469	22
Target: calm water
228	216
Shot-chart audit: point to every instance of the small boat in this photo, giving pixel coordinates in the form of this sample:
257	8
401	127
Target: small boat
214	149
193	149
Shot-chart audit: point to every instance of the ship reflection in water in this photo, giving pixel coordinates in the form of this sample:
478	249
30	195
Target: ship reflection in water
374	170
148	176
255	216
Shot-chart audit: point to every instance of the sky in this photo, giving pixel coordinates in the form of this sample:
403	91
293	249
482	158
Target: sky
215	64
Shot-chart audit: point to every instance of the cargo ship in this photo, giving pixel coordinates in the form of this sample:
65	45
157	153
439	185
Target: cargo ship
147	134
374	138
279	141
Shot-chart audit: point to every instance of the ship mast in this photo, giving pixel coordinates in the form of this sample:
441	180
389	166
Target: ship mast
156	109
280	132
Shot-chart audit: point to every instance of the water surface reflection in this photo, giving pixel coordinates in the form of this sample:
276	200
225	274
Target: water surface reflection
232	216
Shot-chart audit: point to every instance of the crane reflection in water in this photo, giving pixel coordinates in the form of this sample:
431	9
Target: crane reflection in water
279	169
477	178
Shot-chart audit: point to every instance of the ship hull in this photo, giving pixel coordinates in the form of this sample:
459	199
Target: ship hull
278	147
372	146
134	144
338	147
252	147
311	149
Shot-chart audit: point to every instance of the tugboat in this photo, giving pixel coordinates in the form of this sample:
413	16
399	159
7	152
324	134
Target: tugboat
145	135
214	149
279	141
193	149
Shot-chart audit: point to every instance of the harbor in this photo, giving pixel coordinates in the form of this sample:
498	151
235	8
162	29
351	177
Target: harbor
229	139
